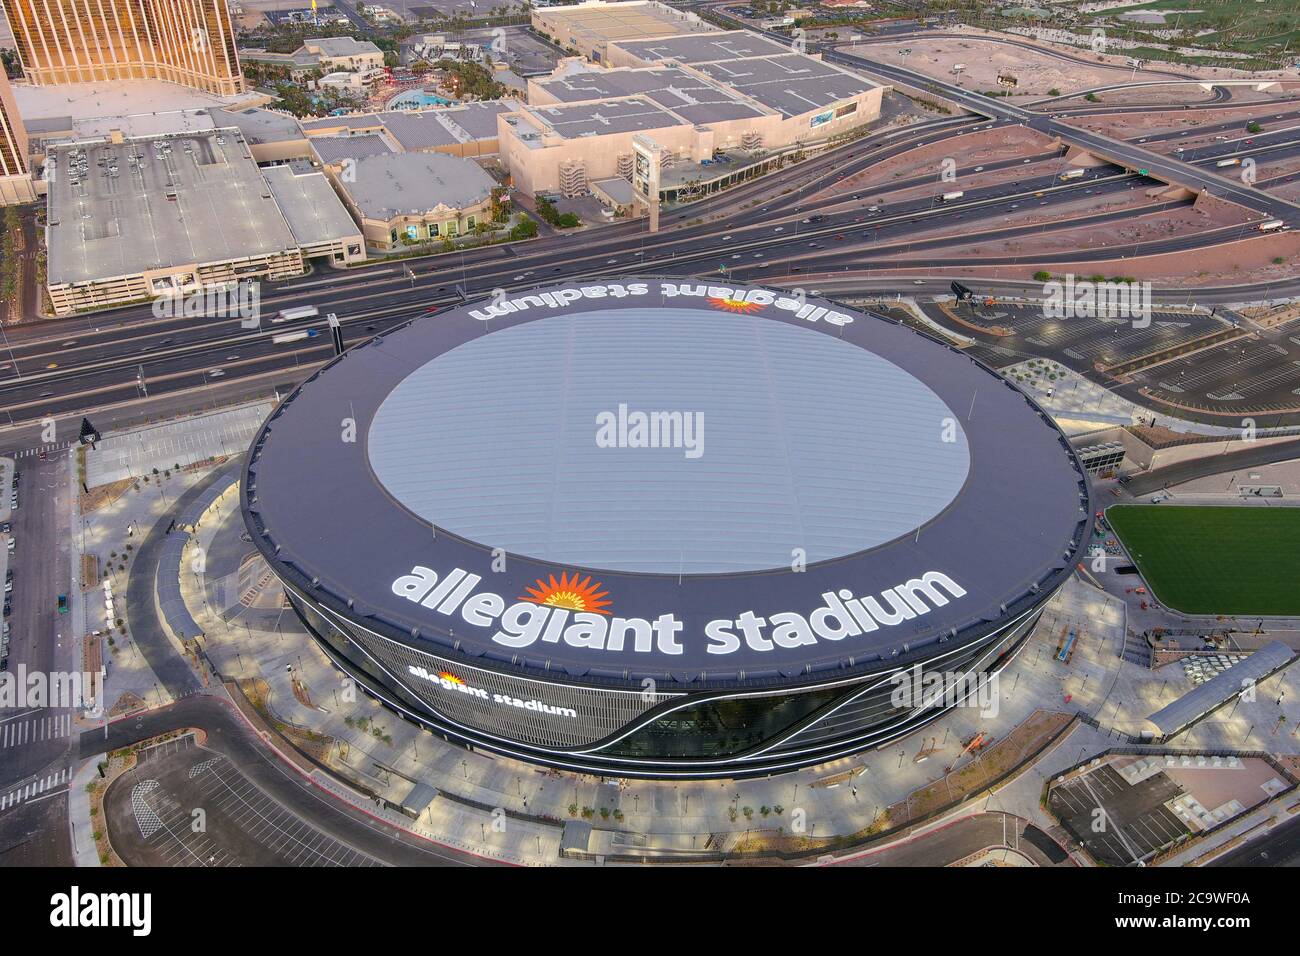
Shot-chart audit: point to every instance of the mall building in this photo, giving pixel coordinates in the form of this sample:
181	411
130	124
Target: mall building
698	96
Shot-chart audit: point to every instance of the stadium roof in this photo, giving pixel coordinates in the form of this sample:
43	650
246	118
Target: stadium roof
839	453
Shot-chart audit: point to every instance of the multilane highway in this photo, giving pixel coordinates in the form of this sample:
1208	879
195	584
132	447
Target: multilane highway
63	367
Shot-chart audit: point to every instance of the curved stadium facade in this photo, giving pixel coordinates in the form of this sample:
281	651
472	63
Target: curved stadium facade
663	528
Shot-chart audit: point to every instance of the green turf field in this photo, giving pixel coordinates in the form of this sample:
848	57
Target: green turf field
1215	560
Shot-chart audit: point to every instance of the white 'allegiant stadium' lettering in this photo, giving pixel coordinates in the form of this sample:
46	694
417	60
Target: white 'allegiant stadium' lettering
803	309
524	623
460	687
560	298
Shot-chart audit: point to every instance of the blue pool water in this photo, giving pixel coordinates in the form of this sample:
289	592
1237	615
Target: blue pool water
416	100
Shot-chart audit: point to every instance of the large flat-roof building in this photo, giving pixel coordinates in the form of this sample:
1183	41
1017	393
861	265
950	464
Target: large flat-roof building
696	94
320	225
590	27
131	218
76	41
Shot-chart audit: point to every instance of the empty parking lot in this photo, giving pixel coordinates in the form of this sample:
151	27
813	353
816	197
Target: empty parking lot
1118	823
185	805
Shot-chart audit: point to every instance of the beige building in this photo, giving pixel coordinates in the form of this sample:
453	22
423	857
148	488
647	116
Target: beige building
403	199
590	27
15	177
466	130
325	54
190	42
409	177
696	95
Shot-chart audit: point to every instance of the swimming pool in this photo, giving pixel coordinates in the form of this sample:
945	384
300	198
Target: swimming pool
417	100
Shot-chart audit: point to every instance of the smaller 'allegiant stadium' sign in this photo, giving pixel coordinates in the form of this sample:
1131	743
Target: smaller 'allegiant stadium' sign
720	297
450	682
574	611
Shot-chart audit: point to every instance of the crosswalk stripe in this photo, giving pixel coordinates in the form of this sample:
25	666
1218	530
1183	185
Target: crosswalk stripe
34	789
36	729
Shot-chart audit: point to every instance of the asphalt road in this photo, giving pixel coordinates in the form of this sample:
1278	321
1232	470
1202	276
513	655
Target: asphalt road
956	841
230	736
39	637
61	367
1279	847
1248	457
171	670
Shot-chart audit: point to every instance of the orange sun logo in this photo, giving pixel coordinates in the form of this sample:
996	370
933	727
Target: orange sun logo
450	677
735	305
569	593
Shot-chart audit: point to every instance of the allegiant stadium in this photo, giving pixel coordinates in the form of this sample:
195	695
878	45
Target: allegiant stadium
663	528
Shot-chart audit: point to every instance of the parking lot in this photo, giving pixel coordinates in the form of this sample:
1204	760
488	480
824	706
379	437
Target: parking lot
185	805
1078	343
1133	822
1257	375
165	446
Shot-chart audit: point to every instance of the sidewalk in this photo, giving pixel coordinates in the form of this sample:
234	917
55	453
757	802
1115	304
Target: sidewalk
80	821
